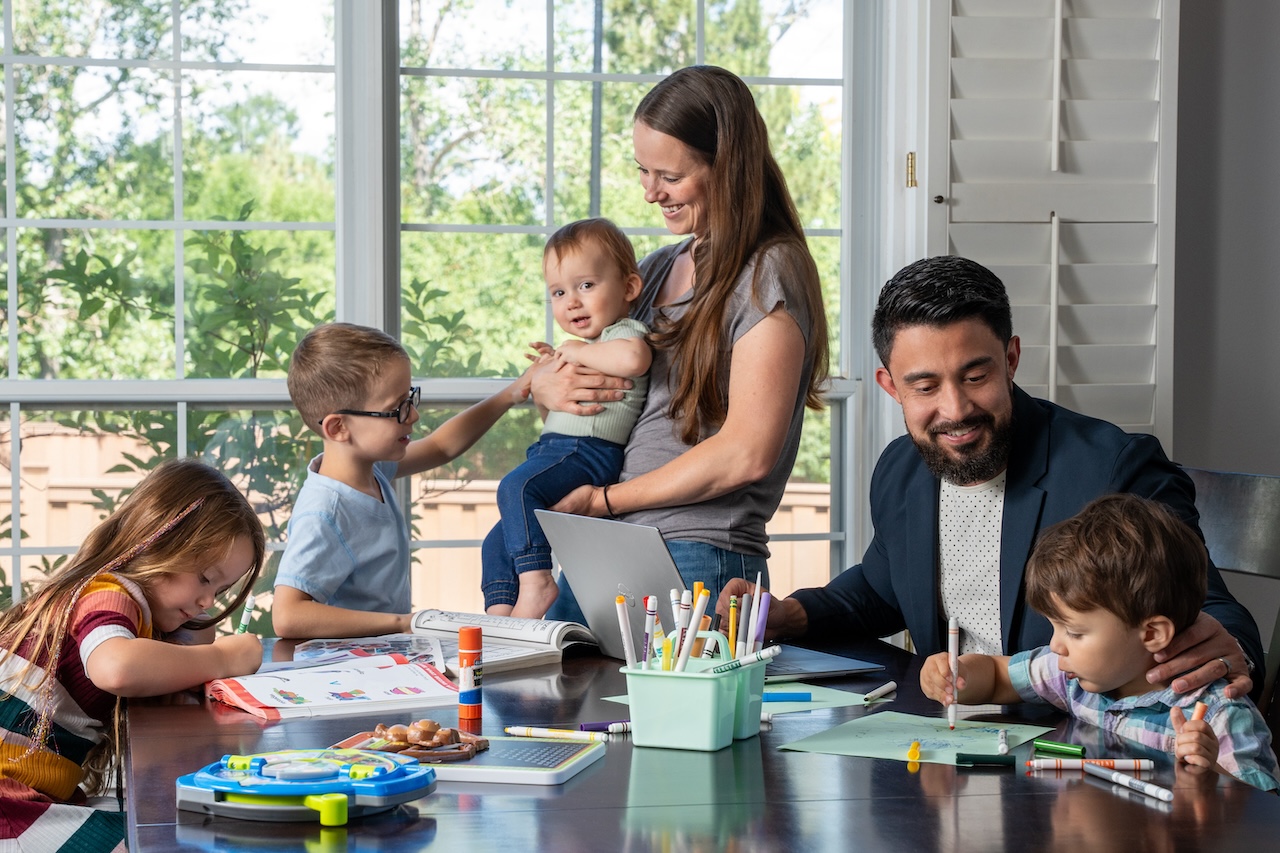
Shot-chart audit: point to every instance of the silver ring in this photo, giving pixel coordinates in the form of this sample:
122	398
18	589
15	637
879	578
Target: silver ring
1227	664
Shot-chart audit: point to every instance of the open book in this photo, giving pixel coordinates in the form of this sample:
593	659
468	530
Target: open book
381	683
509	642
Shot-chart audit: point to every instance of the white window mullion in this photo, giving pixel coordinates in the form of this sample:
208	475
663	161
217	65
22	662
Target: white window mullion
367	215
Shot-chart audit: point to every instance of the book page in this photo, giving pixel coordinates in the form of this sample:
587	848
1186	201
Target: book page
543	631
415	648
328	691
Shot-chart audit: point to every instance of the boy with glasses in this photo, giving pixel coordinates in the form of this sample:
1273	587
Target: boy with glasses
345	568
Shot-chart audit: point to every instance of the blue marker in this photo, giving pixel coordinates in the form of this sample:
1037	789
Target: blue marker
788	697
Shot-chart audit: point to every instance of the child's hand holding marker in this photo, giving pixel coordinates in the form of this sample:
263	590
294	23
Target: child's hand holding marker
935	679
1195	743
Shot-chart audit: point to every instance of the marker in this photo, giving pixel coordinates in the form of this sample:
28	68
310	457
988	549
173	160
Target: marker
733	624
247	616
763	654
1127	781
686	606
650	620
761	621
697	589
602	726
675	612
1002	742
628	647
555	734
778	696
1043	745
744	614
953	654
700	643
668	650
973	759
913	752
1079	763
691	636
882	690
755	614
709	645
1200	711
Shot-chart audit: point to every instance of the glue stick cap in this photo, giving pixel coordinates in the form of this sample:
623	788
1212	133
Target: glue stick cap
469	638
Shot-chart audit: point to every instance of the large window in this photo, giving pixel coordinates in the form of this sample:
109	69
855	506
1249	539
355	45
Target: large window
179	199
168	218
515	118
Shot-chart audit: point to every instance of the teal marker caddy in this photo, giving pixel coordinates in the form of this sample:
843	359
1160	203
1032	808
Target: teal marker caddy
696	709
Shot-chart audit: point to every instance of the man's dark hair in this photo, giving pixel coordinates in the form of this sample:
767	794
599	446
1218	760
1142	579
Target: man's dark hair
936	292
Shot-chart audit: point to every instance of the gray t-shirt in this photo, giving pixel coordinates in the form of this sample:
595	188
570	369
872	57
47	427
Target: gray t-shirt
733	521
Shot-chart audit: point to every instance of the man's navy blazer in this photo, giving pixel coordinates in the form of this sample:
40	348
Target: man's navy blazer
1059	461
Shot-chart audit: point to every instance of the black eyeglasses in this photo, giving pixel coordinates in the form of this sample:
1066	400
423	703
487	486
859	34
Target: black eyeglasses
400	412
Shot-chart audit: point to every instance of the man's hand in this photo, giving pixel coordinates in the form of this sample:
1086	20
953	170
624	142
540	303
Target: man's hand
786	615
1200	655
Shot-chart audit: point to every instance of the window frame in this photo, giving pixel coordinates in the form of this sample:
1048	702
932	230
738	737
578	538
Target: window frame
368	231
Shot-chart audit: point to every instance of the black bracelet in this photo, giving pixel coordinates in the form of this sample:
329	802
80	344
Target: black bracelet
607	508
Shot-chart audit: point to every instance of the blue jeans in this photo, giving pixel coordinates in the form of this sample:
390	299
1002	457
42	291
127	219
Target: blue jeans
697	561
554	466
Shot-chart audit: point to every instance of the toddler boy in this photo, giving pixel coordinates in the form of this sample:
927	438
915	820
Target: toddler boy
592	279
1117	582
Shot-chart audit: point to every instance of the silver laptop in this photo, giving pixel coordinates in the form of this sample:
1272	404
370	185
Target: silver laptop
603	559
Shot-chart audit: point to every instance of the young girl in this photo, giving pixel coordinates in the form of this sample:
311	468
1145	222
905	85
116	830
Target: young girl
109	625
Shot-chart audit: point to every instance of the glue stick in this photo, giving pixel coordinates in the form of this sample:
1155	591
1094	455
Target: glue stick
470	672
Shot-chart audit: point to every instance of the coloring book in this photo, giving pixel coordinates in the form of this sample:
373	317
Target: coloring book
351	688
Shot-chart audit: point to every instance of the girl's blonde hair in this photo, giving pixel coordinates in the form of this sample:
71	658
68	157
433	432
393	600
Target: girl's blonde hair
180	519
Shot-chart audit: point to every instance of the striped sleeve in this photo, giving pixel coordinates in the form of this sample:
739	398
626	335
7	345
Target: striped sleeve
110	606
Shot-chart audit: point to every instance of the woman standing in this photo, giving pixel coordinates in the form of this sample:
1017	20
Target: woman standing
740	342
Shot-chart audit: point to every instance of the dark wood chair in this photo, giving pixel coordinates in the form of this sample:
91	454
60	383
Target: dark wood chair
1240	517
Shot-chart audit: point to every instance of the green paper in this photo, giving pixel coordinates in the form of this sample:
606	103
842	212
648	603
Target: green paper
889	734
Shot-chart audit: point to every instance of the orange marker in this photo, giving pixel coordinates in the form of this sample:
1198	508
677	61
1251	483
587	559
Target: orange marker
1199	712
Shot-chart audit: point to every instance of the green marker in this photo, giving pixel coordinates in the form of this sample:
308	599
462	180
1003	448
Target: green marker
973	759
1053	746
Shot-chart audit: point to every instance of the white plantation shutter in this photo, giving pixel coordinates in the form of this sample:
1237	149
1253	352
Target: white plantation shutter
1092	294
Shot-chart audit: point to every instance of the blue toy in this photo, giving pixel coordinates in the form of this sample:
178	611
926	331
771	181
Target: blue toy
303	784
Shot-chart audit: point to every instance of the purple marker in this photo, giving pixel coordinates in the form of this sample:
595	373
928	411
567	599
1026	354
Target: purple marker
599	727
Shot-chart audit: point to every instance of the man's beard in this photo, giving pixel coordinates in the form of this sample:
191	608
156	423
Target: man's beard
970	467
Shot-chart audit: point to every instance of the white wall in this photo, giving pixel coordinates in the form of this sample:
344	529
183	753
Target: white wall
1227	308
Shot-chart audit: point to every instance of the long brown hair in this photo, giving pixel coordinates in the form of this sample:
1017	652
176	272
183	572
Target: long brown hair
183	516
713	112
